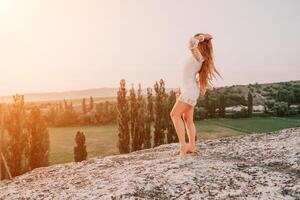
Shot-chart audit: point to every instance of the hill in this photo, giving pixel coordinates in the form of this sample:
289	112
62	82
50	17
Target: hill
105	93
261	92
254	166
74	94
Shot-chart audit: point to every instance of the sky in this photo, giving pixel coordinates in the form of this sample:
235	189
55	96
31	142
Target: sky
59	45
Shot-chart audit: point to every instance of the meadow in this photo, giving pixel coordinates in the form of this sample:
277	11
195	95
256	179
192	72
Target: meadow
102	140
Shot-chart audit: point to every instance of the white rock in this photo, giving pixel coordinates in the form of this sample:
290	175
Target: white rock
256	166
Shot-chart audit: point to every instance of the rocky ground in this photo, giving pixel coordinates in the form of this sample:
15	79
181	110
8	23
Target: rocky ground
256	166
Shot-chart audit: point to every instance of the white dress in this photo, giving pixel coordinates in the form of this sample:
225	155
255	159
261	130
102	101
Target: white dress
189	87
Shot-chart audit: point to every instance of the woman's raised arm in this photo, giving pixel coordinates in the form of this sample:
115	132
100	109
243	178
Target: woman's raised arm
193	46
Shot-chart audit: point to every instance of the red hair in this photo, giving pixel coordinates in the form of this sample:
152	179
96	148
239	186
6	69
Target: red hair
207	71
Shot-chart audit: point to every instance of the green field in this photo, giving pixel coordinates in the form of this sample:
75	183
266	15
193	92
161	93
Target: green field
258	124
102	140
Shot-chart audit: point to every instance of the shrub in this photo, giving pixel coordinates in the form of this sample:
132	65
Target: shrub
200	113
80	152
243	113
281	108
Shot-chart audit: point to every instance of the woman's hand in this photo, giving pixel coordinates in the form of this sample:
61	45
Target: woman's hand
208	36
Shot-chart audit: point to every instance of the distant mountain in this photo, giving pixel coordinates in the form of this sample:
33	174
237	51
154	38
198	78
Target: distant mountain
260	91
74	94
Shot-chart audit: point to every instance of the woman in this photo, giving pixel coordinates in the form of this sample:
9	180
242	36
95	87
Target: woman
199	64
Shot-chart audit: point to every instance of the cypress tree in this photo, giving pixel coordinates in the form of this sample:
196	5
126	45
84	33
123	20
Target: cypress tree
171	134
39	139
159	123
148	120
80	152
133	119
150	105
17	148
3	148
140	120
250	104
83	106
91	103
122	119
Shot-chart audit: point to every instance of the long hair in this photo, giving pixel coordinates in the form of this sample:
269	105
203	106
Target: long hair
207	70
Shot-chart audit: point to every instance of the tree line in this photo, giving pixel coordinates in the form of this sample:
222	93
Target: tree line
277	101
64	113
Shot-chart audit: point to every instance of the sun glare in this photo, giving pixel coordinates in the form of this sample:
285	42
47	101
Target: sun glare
5	7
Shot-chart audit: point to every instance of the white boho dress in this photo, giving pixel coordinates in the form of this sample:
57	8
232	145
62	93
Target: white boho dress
189	87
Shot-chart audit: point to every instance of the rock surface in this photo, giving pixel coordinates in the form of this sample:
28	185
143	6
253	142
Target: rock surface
256	166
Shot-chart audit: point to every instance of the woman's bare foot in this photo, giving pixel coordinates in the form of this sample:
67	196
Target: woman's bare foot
183	150
192	148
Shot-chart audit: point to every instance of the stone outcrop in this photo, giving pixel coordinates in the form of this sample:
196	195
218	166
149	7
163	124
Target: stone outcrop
256	166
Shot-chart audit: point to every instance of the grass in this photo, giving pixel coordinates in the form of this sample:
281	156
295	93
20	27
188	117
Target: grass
257	124
100	140
206	129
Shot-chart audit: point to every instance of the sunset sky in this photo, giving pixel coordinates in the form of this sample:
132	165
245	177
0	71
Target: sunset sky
58	45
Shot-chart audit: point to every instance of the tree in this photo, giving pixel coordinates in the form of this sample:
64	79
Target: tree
148	120
150	105
139	128
159	108
91	103
281	108
250	104
133	118
39	139
4	170
83	106
17	148
285	95
222	106
122	119
52	114
211	103
80	152
66	114
268	105
171	133
69	116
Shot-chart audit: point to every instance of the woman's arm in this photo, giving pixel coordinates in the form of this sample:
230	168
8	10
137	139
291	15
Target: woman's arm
193	46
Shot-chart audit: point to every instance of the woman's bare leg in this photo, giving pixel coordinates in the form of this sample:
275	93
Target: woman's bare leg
176	112
190	127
